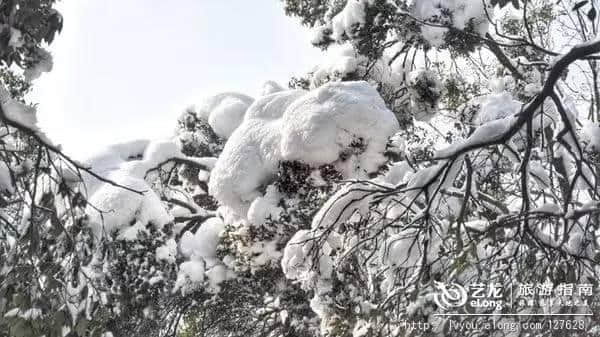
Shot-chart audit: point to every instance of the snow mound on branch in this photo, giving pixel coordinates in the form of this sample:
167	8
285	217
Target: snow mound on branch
319	126
271	87
121	208
591	135
134	157
346	22
466	11
224	112
295	255
314	127
297	261
17	112
251	155
402	250
167	252
42	65
203	243
497	106
339	62
265	207
342	61
117	209
349	200
112	157
459	13
495	118
485	134
155	154
201	249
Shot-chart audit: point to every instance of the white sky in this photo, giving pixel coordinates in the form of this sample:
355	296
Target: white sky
123	69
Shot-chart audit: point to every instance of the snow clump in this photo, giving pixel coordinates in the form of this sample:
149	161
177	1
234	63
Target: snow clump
224	112
342	123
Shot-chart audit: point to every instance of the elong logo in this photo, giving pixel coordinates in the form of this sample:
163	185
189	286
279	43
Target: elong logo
449	295
478	296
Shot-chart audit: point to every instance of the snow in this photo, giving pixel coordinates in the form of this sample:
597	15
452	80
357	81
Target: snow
320	125
203	175
313	127
191	273
540	175
12	313
461	12
216	275
488	132
112	157
264	253
31	314
548	208
348	200
295	262
251	155
320	34
283	315
397	144
136	158
167	252
339	61
591	135
349	19
201	250
319	306
43	65
271	87
204	242
265	207
227	116
427	11
6	181
361	329
160	151
396	173
424	177
403	250
16	111
224	112
465	11
115	209
120	207
497	106
573	239
131	233
478	225
16	37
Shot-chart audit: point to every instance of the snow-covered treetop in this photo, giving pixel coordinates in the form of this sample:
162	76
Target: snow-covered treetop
438	142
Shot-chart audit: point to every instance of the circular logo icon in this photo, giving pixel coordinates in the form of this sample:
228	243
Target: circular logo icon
449	296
